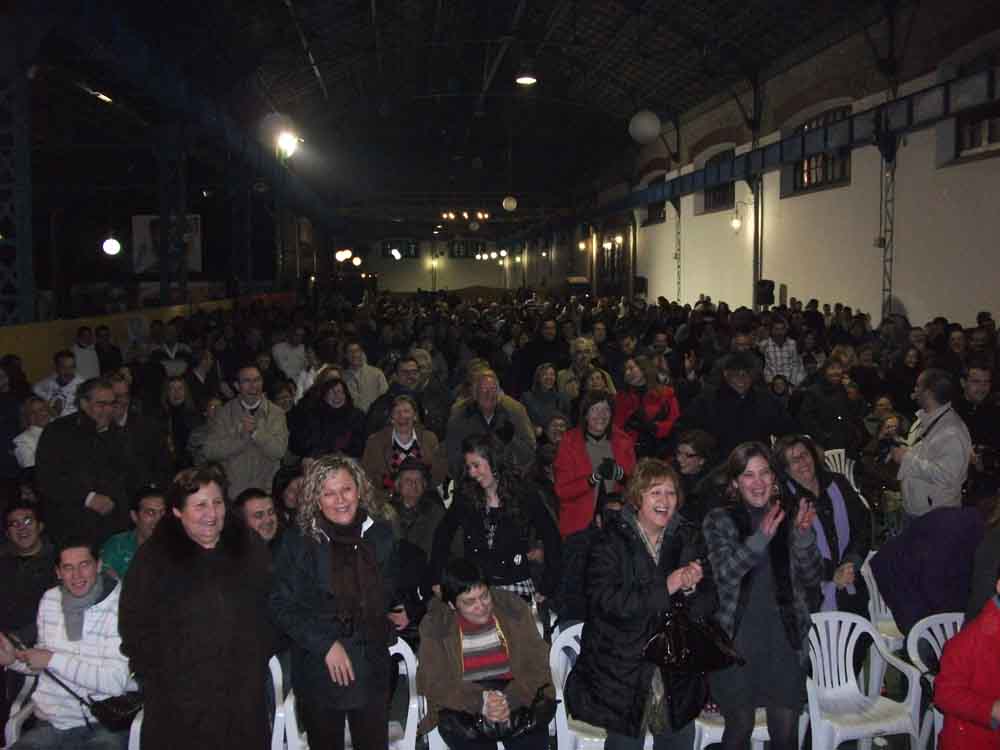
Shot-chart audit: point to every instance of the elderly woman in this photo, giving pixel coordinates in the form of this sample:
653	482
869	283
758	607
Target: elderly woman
194	625
498	516
403	438
843	524
594	455
766	565
335	576
646	410
480	653
544	401
648	557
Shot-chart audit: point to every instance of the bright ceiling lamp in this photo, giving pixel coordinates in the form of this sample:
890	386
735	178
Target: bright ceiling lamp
111	246
356	261
288	143
526	73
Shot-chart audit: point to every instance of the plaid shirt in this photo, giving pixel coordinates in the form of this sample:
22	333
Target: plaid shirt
782	360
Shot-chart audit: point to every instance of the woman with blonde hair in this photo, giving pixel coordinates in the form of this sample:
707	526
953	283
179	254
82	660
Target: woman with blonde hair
335	575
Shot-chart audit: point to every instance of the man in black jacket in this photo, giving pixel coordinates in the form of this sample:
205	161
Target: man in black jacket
81	468
735	412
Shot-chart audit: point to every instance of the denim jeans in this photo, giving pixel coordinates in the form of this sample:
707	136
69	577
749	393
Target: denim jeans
44	736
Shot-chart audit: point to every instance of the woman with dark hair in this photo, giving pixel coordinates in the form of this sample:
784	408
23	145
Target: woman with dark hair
193	622
843	524
766	565
593	456
181	417
335	577
644	409
648	558
498	515
480	653
287	492
901	381
327	421
544	401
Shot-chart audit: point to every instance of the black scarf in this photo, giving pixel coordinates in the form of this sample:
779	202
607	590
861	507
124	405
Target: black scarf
356	582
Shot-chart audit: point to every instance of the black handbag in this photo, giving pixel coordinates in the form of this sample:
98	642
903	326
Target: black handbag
477	728
115	713
690	645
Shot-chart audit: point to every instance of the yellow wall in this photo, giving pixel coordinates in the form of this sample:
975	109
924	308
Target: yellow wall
37	342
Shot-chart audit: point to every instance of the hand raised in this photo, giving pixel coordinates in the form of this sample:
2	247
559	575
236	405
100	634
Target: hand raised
772	520
805	515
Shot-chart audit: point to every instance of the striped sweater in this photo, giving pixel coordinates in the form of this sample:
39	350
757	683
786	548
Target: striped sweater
94	667
484	651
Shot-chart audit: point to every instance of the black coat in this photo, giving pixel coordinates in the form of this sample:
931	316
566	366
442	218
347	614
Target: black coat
733	419
25	579
194	626
73	460
305	609
627	596
826	414
315	428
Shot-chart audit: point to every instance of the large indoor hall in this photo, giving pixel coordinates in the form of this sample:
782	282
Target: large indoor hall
499	374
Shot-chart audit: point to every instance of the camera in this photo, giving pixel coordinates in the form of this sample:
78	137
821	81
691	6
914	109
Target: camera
885	446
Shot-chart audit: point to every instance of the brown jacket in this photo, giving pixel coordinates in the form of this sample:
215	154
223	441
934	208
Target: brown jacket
439	674
378	453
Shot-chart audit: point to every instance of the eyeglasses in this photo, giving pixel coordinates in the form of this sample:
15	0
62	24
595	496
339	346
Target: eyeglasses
21	523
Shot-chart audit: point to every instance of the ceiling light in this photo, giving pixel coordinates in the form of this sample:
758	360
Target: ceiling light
493	255
619	239
465	214
517	259
479	256
103	97
288	143
499	262
510	203
111	246
644	127
736	222
356	261
347	253
486	215
396	254
544	254
607	245
444	215
436	232
503	253
582	245
526	73
312	278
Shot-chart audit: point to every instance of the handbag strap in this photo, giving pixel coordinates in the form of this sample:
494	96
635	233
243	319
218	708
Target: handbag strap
82	701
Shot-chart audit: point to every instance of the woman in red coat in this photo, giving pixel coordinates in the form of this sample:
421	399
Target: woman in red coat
967	691
646	410
593	452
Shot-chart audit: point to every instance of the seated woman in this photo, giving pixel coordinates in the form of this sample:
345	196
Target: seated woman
766	565
647	557
593	453
544	401
967	690
335	577
646	410
404	438
843	524
480	653
498	517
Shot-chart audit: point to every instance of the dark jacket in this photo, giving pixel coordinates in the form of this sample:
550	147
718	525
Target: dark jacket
439	674
928	568
626	598
145	444
506	561
304	607
416	540
316	428
733	419
194	626
984	573
827	416
25	579
734	550
73	460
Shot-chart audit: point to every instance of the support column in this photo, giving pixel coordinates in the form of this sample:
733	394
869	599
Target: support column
17	275
676	204
888	145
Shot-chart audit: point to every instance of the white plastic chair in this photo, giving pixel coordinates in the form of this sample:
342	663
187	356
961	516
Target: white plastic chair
935	630
135	732
277	684
839	711
20	711
881	618
837	461
708	729
400	738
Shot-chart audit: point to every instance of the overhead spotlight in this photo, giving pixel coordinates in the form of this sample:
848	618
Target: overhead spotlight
545	254
111	246
509	203
479	256
517	258
493	254
607	245
288	143
347	253
364	275
503	253
439	227
486	215
582	245
103	97
465	214
444	215
436	232
499	262
312	278
356	261
526	73
396	254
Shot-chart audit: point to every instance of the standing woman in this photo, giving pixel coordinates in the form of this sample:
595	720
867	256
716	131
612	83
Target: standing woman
646	410
180	414
194	624
766	566
592	453
497	513
648	557
335	576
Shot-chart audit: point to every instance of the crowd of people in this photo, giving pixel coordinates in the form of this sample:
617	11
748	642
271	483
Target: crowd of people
315	484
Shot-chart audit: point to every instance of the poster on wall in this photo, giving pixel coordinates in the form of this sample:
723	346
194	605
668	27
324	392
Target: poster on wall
146	241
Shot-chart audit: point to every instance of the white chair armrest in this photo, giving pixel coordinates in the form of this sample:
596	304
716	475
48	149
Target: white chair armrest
15	723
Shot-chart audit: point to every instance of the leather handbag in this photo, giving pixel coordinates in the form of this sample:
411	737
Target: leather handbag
477	728
690	645
115	713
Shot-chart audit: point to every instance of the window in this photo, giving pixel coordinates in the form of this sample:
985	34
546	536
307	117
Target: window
656	213
402	248
979	132
824	169
723	197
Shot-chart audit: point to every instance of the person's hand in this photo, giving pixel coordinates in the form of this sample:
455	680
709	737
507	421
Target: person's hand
101	504
399	618
608	469
844	575
495	707
805	516
248	424
338	663
898	452
887	430
536	554
36	659
8	654
996	711
772	520
685	578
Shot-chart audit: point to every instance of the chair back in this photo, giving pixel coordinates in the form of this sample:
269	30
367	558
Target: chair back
402	649
832	640
935	630
562	656
878	610
837	461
